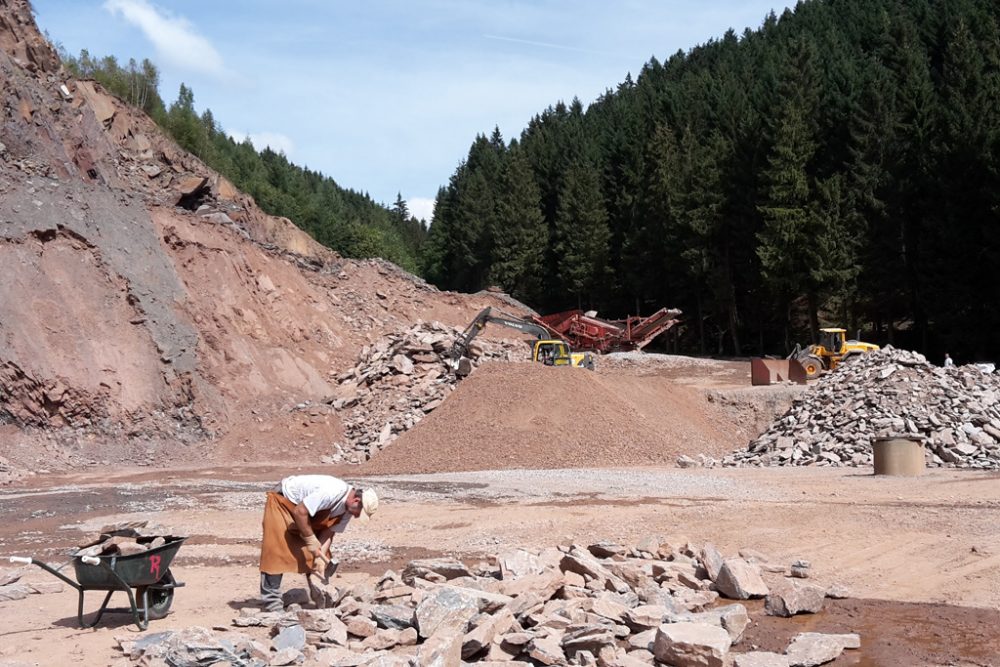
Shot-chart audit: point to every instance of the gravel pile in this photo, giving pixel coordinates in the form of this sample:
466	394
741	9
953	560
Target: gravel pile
887	393
529	416
399	380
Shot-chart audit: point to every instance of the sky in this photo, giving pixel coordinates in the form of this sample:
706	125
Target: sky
386	96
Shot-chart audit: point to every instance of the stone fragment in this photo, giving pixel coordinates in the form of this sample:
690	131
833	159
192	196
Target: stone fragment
740	580
293	637
586	639
486	629
10	576
794	598
711	560
441	650
393	616
645	617
606	549
445	609
360	627
733	618
691	645
809	649
519	563
16	591
760	659
448	568
838	592
287	656
45	587
547	650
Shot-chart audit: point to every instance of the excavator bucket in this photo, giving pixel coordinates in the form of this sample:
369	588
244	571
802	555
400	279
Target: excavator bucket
773	371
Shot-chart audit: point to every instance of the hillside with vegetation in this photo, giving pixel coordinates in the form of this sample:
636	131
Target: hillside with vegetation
838	165
350	222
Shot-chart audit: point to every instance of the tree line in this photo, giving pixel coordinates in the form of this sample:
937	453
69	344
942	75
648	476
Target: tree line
839	165
347	221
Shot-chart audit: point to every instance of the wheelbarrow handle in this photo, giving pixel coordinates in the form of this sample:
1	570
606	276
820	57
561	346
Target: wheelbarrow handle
91	560
20	559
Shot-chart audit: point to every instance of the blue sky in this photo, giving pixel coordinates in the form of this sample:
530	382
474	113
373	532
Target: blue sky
386	96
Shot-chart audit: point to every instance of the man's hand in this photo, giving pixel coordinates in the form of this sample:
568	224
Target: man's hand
312	542
319	562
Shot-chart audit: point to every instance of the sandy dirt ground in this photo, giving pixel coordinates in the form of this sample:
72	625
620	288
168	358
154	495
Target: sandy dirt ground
921	556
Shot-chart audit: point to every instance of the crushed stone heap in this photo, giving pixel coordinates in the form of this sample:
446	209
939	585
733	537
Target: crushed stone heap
606	604
399	380
886	393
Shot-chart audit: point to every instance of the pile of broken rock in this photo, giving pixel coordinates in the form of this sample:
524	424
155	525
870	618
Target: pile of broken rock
606	604
123	539
955	411
399	380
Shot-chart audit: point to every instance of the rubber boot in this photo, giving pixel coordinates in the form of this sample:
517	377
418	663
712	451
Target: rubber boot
270	592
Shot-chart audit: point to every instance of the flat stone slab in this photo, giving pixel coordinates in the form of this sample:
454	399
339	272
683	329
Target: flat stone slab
809	649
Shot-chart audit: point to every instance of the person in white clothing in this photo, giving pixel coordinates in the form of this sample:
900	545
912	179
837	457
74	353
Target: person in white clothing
948	363
301	516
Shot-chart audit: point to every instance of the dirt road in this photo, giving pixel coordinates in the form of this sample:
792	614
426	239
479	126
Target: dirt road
930	540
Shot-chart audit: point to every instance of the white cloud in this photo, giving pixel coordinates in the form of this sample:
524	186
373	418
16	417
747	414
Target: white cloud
421	208
174	37
261	140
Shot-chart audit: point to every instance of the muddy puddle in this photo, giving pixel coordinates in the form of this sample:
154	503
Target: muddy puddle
893	634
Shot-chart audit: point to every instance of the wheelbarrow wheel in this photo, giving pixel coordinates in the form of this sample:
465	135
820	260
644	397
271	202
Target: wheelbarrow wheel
159	599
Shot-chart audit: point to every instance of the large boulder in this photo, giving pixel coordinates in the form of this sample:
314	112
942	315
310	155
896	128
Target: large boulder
445	608
795	598
691	645
740	580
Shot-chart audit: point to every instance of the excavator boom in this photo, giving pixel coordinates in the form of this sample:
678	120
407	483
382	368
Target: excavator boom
486	316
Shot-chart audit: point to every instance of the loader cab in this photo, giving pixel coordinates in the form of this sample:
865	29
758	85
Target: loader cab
834	341
551	353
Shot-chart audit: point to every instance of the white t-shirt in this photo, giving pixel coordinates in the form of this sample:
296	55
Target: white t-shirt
318	493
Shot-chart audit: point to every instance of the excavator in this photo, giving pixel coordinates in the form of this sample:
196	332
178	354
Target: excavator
546	350
833	348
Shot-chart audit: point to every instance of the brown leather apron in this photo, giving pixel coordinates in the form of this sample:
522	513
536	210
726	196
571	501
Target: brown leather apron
282	548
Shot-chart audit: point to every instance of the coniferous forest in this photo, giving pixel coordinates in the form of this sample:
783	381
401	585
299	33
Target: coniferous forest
838	166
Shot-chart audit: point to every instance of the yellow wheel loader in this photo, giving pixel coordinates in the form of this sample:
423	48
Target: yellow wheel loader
833	348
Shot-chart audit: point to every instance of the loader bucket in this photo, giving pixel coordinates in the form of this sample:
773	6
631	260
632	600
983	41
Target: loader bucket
772	371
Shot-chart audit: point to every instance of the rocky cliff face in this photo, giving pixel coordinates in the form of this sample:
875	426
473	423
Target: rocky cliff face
148	310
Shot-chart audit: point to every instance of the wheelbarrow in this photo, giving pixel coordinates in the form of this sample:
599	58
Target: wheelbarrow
147	572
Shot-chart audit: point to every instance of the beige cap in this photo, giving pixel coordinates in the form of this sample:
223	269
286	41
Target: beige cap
369	504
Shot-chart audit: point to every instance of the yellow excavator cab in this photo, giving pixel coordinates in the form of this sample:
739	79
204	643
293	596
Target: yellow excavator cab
557	353
551	352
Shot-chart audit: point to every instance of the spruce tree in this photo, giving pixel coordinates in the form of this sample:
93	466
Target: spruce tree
519	233
581	234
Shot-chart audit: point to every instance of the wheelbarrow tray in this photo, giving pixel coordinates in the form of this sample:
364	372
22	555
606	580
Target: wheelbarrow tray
135	570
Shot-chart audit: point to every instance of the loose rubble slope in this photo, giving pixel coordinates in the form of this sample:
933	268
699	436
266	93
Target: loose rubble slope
400	379
527	415
886	393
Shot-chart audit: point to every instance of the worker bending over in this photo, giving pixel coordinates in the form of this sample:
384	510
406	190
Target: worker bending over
301	516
